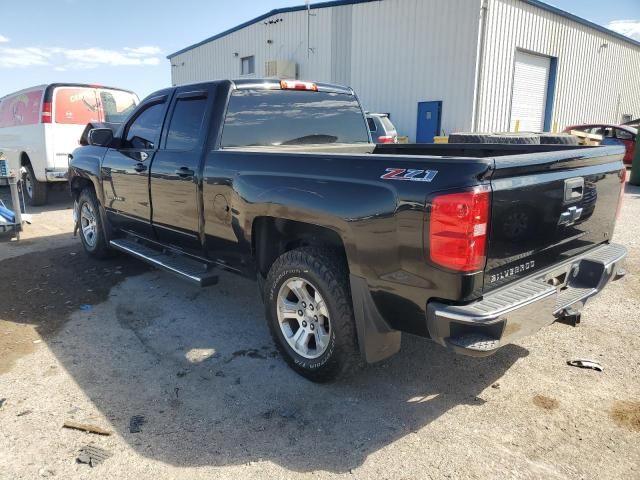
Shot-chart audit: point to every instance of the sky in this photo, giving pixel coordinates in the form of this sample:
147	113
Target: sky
124	43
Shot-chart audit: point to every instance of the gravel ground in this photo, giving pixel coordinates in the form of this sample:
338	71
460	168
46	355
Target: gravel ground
98	343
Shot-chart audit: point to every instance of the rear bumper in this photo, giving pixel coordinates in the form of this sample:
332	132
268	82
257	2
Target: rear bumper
56	174
524	307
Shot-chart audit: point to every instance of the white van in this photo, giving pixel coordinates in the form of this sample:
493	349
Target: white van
40	126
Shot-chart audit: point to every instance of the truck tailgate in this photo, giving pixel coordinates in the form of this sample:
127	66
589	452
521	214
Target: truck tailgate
549	207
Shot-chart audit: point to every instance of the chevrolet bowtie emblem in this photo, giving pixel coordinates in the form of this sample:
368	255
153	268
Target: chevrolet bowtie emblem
570	216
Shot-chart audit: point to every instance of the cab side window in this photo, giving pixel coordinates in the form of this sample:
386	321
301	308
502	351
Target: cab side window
186	124
143	133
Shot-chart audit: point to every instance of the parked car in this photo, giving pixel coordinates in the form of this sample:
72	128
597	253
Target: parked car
40	126
351	243
612	135
381	128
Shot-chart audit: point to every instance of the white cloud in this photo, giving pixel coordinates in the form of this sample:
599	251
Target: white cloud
77	58
23	57
3	39
630	28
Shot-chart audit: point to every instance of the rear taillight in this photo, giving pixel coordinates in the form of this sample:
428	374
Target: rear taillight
46	112
297	85
622	174
385	139
458	229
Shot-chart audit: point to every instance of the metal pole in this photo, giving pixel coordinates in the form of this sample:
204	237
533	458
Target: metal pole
635	166
15	203
308	29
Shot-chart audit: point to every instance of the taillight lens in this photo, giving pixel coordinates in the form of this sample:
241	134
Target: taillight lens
385	139
458	229
46	112
297	85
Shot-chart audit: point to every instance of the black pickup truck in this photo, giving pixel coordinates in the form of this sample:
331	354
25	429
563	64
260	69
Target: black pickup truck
351	243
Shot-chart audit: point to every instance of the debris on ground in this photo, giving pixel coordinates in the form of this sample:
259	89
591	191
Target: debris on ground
92	455
86	307
626	414
46	473
545	403
136	422
2	400
23	413
583	363
496	385
85	428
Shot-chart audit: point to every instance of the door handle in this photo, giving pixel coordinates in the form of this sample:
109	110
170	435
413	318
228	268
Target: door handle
140	167
185	172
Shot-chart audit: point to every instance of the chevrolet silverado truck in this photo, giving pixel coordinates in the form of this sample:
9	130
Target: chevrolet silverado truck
351	243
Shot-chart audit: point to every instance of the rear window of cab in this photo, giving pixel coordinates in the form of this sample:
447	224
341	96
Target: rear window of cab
288	117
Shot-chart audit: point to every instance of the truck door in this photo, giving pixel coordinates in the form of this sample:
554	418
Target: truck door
175	172
125	170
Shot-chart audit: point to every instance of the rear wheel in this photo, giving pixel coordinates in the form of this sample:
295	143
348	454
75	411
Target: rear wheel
36	191
558	139
310	315
469	138
90	225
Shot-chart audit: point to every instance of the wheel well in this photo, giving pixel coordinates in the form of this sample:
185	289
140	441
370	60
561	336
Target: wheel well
271	237
24	159
79	183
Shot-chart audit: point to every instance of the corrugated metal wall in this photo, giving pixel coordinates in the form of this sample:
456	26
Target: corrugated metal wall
594	84
407	51
394	53
288	36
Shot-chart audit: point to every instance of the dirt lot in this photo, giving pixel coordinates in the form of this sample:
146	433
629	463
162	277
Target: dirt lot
100	342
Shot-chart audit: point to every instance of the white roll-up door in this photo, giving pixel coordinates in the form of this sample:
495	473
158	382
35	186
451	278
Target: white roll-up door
530	82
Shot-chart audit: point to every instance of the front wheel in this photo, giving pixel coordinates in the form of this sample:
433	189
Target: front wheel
90	225
310	314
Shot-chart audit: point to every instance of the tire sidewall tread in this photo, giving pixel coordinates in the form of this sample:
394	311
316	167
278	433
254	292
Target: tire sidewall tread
100	250
329	276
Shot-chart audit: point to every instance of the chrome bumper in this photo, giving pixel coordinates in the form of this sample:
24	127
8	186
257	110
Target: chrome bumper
524	307
56	174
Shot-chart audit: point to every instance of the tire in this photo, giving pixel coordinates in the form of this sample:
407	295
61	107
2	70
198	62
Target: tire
558	139
516	138
95	244
322	276
469	138
36	192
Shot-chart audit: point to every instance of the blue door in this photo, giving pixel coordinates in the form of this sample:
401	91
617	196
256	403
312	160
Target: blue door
429	117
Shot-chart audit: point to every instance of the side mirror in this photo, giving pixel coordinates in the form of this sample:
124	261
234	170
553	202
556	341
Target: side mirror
100	137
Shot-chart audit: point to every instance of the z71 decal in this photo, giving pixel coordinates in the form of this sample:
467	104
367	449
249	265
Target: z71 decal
409	175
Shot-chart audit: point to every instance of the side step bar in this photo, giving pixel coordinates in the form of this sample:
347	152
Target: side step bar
180	265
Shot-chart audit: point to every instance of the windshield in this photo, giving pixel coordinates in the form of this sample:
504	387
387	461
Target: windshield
82	105
287	117
117	105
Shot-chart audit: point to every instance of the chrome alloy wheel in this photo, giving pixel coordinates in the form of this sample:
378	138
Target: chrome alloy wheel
303	318
28	184
88	225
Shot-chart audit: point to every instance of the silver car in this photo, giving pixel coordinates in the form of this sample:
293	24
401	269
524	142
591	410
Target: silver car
382	130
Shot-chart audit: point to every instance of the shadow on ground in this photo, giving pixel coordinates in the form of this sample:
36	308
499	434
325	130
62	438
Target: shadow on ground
58	197
200	366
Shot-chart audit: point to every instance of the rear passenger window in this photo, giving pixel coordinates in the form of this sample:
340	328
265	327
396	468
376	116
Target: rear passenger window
186	124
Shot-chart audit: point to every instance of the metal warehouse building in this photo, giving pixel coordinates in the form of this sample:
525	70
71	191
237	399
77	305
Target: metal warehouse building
438	66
